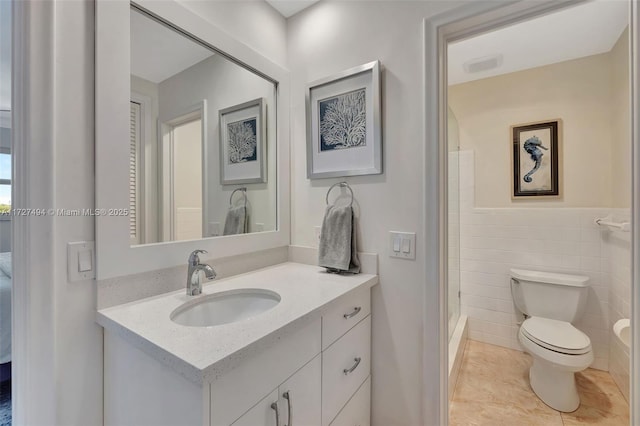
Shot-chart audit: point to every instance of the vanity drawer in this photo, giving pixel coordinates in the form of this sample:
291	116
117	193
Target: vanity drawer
343	315
357	412
345	366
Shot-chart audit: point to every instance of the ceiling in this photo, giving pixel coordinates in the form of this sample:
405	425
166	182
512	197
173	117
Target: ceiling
158	52
584	30
289	8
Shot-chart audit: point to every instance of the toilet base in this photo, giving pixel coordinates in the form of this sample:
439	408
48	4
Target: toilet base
555	387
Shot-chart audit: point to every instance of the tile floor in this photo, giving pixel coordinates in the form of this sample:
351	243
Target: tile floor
493	389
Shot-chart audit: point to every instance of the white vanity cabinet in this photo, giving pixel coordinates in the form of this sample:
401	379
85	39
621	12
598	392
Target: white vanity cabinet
295	402
320	362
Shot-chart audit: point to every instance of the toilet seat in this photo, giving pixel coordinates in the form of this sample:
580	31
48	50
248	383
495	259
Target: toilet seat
558	336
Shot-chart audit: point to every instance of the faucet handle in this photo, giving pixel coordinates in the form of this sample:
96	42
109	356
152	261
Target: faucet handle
194	259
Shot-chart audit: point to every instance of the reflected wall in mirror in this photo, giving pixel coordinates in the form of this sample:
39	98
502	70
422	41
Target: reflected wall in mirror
201	127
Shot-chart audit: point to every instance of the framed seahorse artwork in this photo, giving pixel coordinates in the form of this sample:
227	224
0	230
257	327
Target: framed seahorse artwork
536	159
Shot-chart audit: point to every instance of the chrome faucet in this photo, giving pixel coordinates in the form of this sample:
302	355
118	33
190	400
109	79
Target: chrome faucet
194	286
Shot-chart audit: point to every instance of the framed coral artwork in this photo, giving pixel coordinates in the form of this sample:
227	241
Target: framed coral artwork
242	143
344	135
536	159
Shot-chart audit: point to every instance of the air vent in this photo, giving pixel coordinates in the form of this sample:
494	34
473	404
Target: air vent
482	64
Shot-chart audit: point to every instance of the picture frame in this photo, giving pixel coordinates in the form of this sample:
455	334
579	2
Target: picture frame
243	143
536	159
336	149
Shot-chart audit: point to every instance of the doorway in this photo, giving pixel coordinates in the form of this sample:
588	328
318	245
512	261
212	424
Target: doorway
187	181
182	177
462	24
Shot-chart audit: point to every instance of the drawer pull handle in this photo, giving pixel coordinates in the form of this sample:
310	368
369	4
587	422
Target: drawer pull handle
274	406
355	312
287	396
350	370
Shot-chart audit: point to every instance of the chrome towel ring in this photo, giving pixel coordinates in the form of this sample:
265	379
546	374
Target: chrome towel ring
244	192
342	185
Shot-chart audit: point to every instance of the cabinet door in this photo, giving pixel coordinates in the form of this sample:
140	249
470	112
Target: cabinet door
262	414
304	393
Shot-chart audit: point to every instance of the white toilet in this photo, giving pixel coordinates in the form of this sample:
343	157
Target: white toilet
551	302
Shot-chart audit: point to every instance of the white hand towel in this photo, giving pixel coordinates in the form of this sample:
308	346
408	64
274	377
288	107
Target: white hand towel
237	221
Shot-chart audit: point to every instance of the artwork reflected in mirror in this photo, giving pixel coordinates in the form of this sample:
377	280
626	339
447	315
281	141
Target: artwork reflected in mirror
201	127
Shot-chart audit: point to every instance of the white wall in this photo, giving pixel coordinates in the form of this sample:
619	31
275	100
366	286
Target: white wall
327	38
578	92
254	23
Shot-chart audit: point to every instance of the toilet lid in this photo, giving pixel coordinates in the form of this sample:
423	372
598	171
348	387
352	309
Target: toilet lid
559	336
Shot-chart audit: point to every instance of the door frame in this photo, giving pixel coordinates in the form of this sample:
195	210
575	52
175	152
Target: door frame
33	375
463	22
166	125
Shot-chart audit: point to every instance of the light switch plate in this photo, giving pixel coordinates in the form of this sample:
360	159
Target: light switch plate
404	242
81	252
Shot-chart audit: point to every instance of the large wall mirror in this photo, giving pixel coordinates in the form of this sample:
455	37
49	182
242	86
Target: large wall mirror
191	140
203	139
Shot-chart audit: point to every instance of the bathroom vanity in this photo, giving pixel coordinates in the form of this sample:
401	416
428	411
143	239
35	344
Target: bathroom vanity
284	345
304	361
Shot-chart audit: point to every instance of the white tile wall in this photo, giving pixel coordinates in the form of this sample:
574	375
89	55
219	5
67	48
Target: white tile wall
492	241
617	247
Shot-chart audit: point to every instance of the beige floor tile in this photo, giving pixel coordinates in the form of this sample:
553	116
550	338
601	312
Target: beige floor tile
493	389
597	389
493	414
586	415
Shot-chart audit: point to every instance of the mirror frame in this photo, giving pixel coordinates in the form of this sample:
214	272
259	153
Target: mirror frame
114	255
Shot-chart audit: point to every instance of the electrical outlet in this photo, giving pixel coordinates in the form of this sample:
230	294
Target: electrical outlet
259	227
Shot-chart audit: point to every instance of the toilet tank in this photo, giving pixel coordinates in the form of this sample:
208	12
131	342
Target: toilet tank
560	297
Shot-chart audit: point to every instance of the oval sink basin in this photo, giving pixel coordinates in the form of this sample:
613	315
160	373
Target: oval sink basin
225	307
622	330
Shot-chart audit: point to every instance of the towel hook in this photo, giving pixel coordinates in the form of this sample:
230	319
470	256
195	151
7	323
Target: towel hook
342	185
244	192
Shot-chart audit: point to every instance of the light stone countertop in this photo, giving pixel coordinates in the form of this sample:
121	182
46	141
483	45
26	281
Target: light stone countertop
202	354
